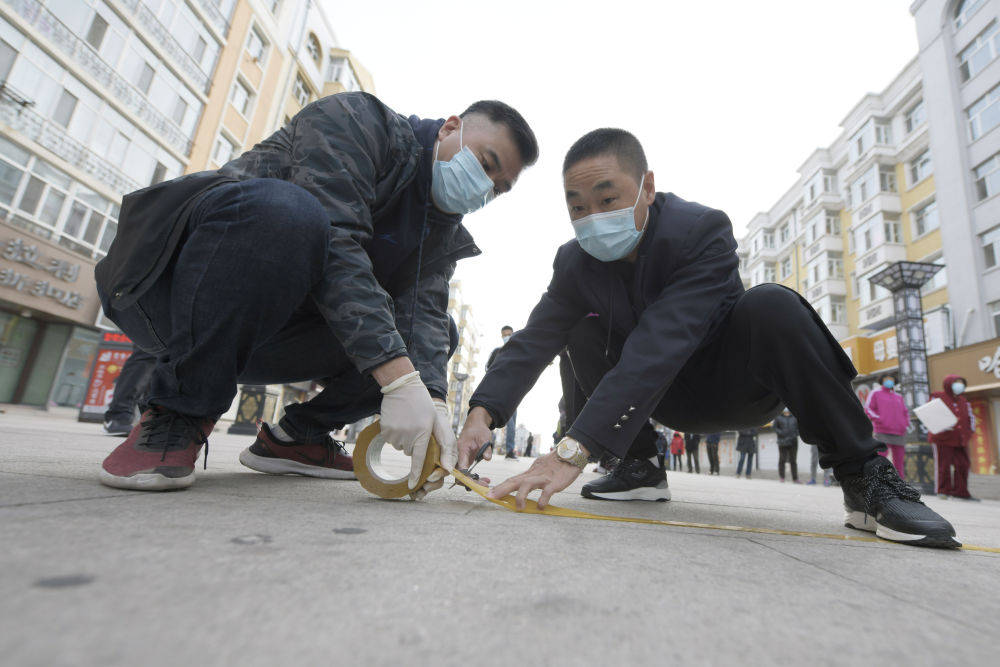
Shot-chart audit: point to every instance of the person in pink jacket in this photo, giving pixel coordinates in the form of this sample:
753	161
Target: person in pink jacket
890	419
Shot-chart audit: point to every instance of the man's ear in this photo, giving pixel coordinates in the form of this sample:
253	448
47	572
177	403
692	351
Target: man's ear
450	125
649	188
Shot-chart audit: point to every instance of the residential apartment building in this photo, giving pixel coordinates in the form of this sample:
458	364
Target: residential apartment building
462	366
912	177
102	97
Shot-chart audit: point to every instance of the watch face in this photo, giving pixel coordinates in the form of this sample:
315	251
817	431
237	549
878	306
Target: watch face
565	450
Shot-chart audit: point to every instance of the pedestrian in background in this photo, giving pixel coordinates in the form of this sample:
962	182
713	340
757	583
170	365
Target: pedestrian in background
130	391
951	444
814	464
786	427
677	450
527	447
662	447
510	431
691	443
890	419
746	445
712	449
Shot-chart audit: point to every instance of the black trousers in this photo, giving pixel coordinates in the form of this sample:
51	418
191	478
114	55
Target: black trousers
788	455
712	449
692	455
131	386
773	349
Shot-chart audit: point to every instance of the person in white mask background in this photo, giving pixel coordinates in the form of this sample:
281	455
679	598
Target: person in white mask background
510	432
323	253
952	445
648	304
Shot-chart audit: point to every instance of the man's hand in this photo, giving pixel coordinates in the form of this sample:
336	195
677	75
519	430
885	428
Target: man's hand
475	434
449	454
408	417
548	473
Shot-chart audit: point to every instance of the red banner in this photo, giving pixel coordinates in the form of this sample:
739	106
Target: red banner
107	368
982	448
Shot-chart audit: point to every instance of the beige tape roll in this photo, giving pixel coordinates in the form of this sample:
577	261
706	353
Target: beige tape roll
368	465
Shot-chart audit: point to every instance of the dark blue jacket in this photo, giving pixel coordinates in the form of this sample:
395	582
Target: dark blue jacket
685	283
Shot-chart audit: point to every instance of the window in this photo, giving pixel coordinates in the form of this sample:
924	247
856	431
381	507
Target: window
892	231
145	78
925	219
920	167
915	117
7	57
769	273
814	274
180	110
198	51
785	233
301	90
257	46
32	195
863	190
883	134
786	267
812	192
964	10
829	183
838	312
938	280
224	149
65	108
887	179
340	71
860	144
314	49
768	239
833	223
991	247
987	177
984	114
158	173
118	147
95	34
240	97
835	267
979	53
995	314
855	285
273	6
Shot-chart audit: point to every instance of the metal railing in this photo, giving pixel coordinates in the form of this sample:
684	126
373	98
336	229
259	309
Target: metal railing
168	42
211	9
16	112
84	55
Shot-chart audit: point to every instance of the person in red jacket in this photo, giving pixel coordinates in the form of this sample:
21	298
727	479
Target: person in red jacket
951	444
677	449
890	419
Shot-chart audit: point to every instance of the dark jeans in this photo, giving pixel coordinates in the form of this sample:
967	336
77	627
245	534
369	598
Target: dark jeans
692	455
712	449
773	349
678	462
748	457
236	305
510	435
788	455
131	386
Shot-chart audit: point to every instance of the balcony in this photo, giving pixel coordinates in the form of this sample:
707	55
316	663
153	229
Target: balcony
886	202
211	9
827	200
44	132
881	255
825	243
168	43
830	286
876	315
83	55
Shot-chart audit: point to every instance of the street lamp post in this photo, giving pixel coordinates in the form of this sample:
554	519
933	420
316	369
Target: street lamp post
904	280
456	413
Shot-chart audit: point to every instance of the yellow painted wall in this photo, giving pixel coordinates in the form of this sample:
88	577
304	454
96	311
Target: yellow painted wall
849	265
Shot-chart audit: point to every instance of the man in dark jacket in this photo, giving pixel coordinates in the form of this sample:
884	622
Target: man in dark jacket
510	431
691	446
786	427
676	338
712	449
322	253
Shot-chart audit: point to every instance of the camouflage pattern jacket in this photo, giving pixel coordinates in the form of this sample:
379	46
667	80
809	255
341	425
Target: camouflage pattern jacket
359	159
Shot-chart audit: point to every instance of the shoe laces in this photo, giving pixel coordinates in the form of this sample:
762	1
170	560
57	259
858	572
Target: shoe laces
882	483
624	467
170	430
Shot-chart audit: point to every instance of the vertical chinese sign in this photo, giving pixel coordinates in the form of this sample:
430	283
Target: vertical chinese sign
113	351
982	448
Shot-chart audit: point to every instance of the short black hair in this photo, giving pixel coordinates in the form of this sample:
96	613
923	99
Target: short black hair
503	114
609	141
886	375
505	327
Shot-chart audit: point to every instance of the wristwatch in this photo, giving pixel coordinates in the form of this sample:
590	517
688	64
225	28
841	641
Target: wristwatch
570	451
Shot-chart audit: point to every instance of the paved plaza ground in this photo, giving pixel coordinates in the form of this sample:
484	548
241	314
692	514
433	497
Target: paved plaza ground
251	569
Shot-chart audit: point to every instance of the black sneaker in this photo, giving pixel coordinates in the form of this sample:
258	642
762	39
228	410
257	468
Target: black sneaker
878	501
632	479
117	426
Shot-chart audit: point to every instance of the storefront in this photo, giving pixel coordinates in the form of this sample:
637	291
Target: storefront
979	364
48	307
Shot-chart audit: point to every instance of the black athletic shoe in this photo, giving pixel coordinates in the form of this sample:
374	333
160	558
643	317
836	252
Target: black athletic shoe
878	501
118	427
632	479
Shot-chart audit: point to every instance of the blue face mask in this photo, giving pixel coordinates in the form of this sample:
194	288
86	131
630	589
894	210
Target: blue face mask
957	388
889	384
460	185
612	235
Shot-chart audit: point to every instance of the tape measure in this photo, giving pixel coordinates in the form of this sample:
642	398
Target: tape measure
368	452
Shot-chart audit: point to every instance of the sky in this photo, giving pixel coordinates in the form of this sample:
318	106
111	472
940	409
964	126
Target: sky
728	98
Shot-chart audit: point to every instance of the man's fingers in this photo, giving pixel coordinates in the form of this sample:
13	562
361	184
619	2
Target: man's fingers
527	486
419	453
505	487
547	492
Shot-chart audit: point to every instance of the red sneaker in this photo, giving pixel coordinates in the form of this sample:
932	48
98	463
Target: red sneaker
324	458
159	453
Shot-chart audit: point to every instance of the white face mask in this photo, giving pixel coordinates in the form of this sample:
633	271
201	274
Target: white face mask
505	339
612	235
460	185
957	388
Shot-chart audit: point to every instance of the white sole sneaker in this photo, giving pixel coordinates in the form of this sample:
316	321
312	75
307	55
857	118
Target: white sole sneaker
280	466
146	481
659	493
866	522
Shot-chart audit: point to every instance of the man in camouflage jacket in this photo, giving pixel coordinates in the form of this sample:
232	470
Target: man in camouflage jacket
322	253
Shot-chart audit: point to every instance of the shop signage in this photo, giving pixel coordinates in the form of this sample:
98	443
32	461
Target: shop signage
991	364
101	388
16	250
978	363
982	449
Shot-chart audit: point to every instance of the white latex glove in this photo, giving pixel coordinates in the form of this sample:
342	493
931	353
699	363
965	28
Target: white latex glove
407	419
449	449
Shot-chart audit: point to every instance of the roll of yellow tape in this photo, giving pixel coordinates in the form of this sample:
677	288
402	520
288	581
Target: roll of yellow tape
368	465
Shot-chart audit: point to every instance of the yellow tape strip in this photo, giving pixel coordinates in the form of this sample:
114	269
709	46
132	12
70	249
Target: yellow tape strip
399	489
